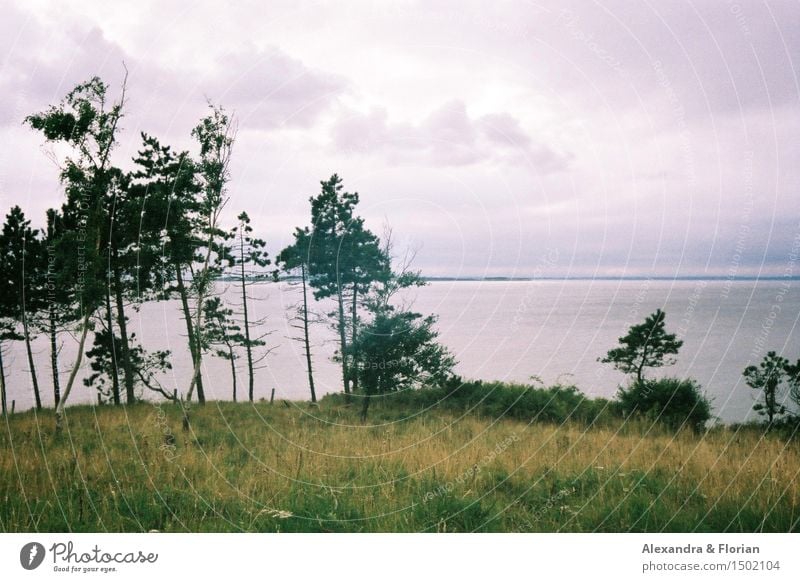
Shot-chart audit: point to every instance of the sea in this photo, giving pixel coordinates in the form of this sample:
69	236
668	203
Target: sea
528	331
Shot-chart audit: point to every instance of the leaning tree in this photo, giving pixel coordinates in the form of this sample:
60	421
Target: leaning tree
87	124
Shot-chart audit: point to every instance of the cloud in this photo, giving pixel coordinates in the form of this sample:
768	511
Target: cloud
265	87
268	88
447	136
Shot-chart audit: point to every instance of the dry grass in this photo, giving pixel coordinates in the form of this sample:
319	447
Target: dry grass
245	467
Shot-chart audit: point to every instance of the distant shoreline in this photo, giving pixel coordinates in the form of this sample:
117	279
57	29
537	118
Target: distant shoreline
588	278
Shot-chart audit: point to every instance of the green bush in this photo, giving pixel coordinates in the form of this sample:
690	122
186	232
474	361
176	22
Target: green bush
672	401
555	404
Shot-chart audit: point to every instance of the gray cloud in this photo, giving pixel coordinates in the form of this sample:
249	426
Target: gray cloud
447	136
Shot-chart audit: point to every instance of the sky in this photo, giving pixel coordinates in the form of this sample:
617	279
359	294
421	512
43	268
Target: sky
510	138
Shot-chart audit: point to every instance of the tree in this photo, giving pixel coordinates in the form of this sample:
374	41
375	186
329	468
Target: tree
171	221
134	273
8	332
215	134
22	256
56	295
399	351
294	259
397	347
647	345
222	333
145	365
88	126
793	376
345	259
249	259
768	378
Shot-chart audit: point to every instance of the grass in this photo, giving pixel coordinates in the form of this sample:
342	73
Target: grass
303	468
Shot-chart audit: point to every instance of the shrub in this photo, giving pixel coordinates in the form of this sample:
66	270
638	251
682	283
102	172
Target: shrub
555	404
674	402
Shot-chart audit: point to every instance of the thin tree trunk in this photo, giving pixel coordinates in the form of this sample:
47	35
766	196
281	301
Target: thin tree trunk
73	373
54	353
127	365
112	347
189	326
641	364
2	381
248	347
343	342
365	402
202	293
354	317
306	338
233	374
26	332
31	365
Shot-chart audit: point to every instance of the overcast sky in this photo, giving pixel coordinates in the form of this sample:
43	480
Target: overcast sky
532	138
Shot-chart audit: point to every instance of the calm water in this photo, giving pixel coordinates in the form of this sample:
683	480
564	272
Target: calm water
500	331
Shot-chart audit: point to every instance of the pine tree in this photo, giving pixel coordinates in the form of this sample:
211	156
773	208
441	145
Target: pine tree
768	378
57	311
292	260
222	334
170	217
344	260
21	252
248	260
646	345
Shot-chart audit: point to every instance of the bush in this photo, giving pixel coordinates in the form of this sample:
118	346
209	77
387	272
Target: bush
555	404
674	402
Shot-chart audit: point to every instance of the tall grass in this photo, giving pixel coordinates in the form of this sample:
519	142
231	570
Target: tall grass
261	467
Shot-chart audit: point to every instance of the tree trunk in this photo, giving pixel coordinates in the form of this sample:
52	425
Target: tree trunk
112	347
73	373
26	332
641	364
247	345
343	342
2	381
233	374
127	365
54	353
202	292
306	338
189	326
365	403
34	380
354	318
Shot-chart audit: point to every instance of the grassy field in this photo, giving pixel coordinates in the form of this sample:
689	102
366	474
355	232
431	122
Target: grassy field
294	467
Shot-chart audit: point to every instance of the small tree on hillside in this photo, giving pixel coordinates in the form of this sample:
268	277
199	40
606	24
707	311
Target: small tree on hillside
647	345
398	351
793	374
22	281
768	378
398	348
223	335
248	260
294	259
